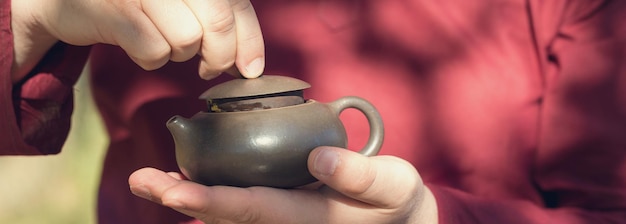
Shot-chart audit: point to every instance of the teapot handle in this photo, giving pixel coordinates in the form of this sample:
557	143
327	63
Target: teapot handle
376	137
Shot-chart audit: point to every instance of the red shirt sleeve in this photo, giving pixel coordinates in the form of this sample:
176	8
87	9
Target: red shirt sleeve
35	114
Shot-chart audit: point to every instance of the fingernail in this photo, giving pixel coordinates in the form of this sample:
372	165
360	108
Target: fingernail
255	68
326	162
141	191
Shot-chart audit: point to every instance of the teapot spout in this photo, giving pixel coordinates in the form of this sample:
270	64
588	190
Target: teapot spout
183	134
179	127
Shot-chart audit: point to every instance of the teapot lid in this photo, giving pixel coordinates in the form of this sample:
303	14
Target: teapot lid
263	85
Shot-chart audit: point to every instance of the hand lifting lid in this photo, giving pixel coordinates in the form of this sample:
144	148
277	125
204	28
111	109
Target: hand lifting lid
259	132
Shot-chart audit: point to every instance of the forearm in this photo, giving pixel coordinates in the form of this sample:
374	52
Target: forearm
35	100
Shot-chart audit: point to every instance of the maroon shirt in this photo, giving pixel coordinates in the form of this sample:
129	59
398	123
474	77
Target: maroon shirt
513	111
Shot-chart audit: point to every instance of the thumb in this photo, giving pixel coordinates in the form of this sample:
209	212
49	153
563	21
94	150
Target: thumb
382	181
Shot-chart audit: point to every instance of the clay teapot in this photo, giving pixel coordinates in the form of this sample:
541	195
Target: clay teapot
259	132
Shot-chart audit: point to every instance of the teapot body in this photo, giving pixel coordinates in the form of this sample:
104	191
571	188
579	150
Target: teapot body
255	148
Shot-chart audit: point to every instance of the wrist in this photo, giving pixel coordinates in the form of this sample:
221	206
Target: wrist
31	40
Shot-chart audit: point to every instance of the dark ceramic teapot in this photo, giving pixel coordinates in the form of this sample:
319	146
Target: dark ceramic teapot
259	132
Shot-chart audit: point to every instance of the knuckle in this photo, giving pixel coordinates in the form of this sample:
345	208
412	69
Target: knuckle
241	5
185	49
363	179
247	216
189	39
146	48
249	213
407	170
127	7
151	60
228	63
403	170
219	66
254	38
222	22
405	173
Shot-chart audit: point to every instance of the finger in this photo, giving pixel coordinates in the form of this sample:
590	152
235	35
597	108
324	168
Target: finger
219	40
117	22
134	32
178	25
250	47
177	176
187	197
149	183
382	181
239	205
